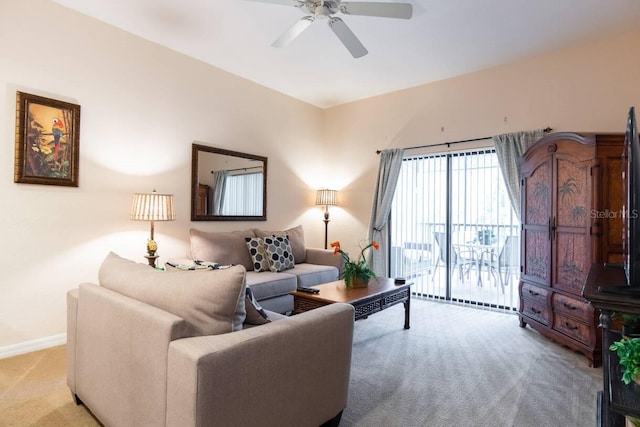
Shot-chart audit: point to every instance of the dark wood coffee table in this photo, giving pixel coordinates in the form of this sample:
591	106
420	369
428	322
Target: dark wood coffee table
381	294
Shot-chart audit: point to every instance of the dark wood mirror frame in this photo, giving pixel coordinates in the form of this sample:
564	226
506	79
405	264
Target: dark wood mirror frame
199	194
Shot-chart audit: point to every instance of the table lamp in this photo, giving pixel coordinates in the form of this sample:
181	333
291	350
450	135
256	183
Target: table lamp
152	207
327	198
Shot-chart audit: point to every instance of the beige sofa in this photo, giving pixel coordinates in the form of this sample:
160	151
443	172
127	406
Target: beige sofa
312	266
150	348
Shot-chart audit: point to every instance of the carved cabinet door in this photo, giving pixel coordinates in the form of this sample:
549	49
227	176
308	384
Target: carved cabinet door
536	212
571	239
556	216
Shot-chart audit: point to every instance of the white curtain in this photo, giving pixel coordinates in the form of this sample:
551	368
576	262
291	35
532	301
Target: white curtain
219	186
243	195
509	148
388	172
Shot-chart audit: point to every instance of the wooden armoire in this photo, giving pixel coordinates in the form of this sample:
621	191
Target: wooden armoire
571	193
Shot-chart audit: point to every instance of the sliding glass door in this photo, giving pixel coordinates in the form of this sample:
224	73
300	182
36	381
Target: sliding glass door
453	231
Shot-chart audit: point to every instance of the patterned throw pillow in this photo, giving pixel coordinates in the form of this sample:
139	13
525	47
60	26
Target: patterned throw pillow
255	313
296	239
258	253
279	253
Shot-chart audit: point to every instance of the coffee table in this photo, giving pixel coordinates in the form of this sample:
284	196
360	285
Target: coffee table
380	294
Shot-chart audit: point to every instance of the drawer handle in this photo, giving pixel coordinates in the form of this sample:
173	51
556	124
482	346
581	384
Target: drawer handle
535	311
569	306
535	294
569	326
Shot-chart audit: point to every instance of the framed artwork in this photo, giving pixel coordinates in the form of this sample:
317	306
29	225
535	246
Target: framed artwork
47	141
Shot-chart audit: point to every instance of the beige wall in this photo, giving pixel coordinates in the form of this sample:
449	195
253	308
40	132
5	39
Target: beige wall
588	88
143	106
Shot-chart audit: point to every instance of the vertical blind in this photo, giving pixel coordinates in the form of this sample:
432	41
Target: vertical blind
243	195
450	220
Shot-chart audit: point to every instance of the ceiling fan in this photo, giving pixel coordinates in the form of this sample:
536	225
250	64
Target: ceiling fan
325	9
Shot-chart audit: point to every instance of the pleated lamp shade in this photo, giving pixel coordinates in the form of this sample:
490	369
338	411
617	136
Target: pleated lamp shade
152	207
327	197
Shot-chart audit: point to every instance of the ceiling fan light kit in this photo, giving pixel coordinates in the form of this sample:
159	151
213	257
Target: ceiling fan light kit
325	9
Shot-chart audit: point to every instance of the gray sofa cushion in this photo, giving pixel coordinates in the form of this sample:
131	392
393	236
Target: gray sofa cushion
314	274
269	285
212	302
222	247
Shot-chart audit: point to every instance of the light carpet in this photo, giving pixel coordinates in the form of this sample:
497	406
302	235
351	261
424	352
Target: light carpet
456	366
460	366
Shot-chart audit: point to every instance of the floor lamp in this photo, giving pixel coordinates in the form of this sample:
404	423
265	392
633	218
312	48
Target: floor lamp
326	198
152	207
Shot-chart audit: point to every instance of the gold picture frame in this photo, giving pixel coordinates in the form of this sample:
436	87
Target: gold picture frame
47	141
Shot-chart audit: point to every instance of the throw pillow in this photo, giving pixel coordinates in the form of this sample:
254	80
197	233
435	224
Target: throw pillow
255	313
279	253
225	248
258	253
212	302
296	239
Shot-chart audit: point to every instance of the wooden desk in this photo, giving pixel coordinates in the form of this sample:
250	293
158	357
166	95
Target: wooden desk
381	294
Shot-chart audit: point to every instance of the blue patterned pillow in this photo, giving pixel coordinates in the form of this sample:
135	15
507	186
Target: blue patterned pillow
258	253
255	313
279	253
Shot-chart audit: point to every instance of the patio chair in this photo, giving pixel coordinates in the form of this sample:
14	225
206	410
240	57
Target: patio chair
506	262
417	259
460	259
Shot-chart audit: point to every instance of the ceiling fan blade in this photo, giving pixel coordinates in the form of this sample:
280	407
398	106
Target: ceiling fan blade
295	3
293	32
384	10
348	39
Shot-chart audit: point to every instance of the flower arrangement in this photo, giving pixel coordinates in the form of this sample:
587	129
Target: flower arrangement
356	270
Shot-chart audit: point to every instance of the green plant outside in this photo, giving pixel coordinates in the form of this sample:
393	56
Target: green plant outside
628	351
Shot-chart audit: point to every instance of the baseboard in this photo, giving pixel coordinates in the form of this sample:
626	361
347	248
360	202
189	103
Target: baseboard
33	345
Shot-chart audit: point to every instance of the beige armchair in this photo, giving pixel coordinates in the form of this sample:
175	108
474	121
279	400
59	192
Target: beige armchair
133	364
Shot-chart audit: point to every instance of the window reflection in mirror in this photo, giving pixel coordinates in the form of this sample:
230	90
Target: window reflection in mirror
227	185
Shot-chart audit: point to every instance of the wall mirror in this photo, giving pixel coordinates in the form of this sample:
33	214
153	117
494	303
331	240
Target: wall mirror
227	185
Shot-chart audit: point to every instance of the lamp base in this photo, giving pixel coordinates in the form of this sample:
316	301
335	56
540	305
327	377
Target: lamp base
326	229
152	260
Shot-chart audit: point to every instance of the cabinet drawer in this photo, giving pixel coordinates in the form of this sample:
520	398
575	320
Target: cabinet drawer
573	307
571	327
535	293
537	310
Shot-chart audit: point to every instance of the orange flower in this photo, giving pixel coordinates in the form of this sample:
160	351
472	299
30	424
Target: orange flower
375	245
335	244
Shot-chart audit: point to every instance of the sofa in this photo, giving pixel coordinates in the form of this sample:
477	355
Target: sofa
271	286
155	348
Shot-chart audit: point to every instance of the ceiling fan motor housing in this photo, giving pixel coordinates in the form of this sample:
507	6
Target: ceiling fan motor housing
322	8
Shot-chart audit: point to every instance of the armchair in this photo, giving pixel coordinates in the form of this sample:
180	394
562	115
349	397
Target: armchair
135	364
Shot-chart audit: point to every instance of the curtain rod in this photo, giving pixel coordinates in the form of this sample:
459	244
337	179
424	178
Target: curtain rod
242	169
546	130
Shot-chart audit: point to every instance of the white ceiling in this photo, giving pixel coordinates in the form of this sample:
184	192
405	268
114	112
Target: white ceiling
444	38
